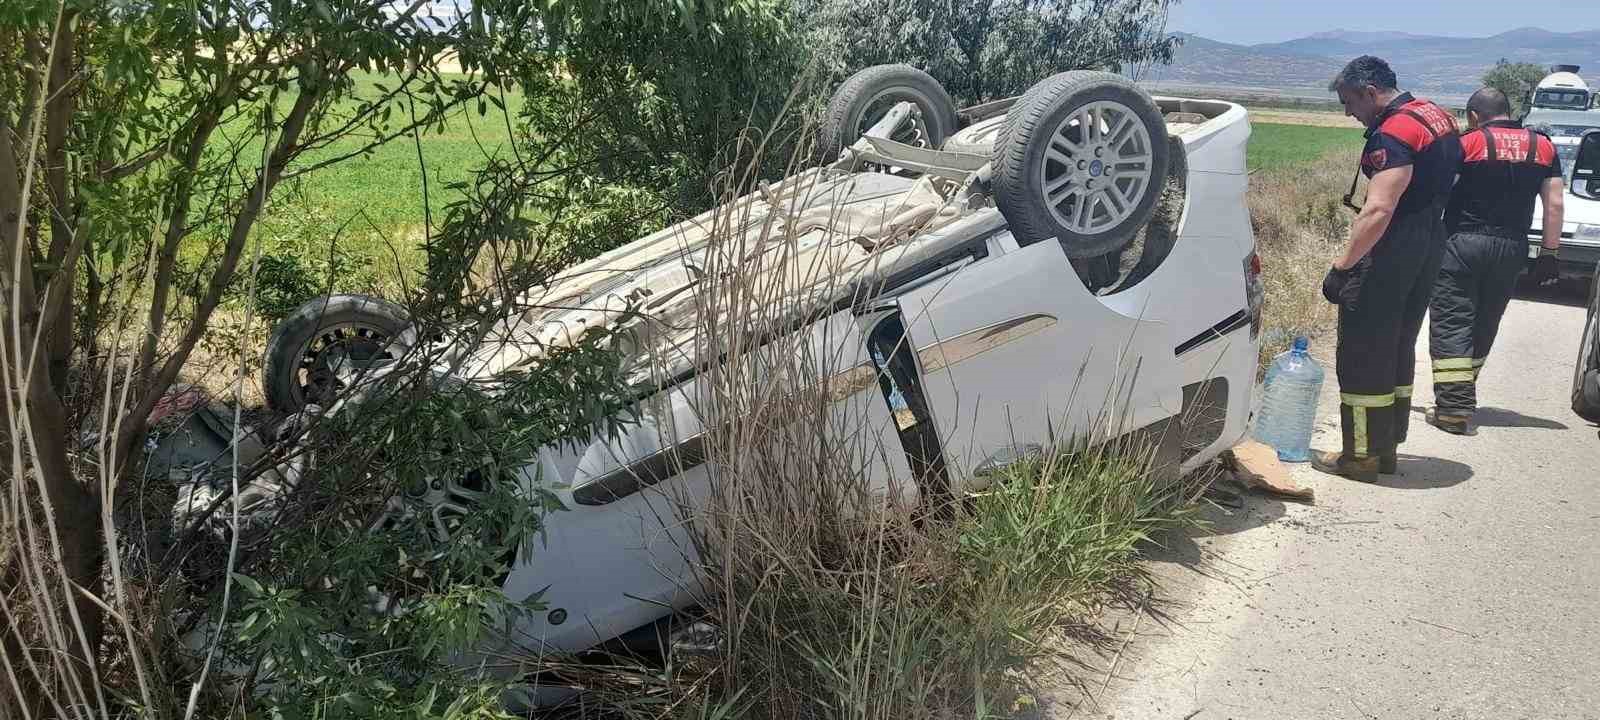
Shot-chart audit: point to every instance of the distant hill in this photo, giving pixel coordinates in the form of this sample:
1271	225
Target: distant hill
1364	37
1445	67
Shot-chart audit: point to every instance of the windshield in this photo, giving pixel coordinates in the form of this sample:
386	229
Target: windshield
1572	99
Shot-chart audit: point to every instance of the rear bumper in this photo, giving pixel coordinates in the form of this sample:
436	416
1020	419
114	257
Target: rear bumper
1220	377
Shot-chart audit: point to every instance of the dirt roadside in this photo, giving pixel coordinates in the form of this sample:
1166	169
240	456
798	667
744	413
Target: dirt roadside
1462	588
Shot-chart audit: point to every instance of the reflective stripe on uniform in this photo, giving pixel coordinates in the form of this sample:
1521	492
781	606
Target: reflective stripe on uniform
1359	413
1402	391
1367	401
1455	376
1455	364
1359	405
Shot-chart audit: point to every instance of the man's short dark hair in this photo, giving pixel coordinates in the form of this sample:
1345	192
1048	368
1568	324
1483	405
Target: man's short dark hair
1363	71
1489	103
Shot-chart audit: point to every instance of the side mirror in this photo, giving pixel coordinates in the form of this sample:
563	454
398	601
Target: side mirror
1586	167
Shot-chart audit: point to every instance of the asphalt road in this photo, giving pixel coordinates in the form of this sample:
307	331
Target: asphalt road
1466	587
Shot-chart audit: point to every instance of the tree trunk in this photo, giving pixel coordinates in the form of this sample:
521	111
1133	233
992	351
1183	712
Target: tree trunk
63	202
76	509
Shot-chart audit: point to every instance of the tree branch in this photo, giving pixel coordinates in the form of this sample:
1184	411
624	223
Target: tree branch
134	426
177	228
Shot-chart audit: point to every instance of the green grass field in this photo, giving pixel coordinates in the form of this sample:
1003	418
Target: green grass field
386	186
373	205
384	189
1275	146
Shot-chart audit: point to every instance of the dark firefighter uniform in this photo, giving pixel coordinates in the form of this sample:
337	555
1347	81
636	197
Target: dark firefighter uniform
1503	167
1385	296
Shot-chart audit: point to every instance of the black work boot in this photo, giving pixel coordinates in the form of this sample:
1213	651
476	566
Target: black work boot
1358	469
1449	422
1389	463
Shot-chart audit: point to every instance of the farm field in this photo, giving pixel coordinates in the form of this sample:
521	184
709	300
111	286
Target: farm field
1275	145
1317	118
371	208
381	194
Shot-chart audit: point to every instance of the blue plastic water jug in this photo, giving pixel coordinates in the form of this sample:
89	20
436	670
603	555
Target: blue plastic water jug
1289	403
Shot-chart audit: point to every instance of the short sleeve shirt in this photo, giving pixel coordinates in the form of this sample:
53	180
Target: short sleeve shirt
1420	134
1503	168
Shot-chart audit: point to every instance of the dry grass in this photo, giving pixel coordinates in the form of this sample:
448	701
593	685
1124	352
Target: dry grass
1326	118
1299	225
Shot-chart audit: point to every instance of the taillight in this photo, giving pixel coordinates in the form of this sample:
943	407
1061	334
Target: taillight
1254	292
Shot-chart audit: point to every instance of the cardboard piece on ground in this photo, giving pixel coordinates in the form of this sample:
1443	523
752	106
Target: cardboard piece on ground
1257	466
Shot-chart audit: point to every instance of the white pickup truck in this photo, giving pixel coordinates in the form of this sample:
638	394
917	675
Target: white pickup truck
1084	240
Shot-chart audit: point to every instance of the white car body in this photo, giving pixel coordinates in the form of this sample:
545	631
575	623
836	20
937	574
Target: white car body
1580	222
1000	333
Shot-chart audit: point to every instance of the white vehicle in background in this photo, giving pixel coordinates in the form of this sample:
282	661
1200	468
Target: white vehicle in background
1562	89
1083	240
1580	227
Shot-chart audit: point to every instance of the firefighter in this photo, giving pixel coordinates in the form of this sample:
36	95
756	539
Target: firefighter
1382	281
1504	167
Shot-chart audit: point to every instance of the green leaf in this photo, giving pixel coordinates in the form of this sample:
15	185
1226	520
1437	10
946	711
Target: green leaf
249	584
356	702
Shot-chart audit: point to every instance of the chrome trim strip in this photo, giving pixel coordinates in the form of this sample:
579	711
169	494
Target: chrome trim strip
970	344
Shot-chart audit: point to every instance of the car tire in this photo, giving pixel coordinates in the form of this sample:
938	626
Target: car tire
331	329
867	96
1090	190
1586	374
977	138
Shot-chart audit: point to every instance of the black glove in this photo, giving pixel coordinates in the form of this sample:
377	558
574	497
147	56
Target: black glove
1333	285
1546	270
1344	286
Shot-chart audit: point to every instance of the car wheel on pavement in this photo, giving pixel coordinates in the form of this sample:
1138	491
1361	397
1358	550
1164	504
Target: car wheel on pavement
868	95
328	343
1082	158
1586	376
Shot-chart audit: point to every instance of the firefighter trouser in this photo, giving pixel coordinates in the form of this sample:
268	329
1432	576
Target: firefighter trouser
1476	278
1378	329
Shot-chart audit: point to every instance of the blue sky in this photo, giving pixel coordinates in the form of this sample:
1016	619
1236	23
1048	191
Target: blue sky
1257	21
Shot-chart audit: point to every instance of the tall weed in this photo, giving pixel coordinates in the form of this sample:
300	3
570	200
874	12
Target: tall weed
1299	225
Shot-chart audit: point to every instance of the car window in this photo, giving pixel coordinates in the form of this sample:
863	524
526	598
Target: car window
1576	99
